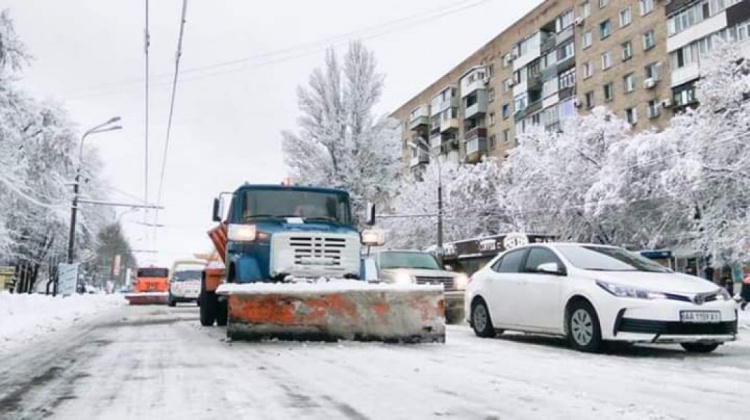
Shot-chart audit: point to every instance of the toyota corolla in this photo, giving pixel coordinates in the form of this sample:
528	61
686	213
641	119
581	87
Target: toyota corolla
592	294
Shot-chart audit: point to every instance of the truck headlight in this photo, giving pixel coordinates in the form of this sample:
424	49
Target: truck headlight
402	277
241	233
461	281
629	292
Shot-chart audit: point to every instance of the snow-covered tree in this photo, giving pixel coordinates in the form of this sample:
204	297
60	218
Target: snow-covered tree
340	143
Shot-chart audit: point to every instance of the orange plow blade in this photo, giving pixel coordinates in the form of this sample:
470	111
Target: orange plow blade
328	313
147	298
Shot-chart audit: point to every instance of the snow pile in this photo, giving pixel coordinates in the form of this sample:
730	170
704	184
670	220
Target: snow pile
333	286
24	317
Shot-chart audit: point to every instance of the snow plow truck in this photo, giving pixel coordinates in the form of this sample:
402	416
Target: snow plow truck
151	287
292	268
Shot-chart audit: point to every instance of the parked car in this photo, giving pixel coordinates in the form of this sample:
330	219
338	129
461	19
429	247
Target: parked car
592	294
412	266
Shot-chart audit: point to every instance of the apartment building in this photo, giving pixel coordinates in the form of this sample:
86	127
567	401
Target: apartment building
693	29
563	57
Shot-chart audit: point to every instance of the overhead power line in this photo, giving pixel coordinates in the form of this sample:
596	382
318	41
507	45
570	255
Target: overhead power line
296	51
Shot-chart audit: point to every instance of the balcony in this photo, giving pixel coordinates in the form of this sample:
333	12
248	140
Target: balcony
565	34
529	110
421	158
436	141
419	117
474	80
476	132
534	81
439	104
475	148
449	125
479	106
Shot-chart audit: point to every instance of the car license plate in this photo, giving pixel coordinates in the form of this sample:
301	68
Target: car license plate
700	317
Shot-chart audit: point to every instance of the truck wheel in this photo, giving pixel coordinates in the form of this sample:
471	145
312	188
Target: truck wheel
221	313
208	308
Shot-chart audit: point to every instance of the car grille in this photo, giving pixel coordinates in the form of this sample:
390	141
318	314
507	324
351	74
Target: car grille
317	247
675	328
447	282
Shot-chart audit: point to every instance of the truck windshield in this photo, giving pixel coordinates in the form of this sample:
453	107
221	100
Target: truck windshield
186	275
153	272
309	205
408	260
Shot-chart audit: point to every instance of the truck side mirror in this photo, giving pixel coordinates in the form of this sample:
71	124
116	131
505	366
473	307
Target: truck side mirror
217	210
370	216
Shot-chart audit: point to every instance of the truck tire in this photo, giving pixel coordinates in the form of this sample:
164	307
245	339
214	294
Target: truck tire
208	308
221	313
172	301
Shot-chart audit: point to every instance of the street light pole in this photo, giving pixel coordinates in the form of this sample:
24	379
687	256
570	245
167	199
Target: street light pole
101	128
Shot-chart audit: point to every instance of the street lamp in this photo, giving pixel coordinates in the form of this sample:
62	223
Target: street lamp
426	145
101	128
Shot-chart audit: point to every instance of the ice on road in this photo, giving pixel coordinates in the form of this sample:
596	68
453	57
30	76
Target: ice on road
157	362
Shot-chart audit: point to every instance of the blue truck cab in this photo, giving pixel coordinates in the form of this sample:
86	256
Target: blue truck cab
279	231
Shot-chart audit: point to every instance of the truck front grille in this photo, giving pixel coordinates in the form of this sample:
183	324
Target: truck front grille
309	249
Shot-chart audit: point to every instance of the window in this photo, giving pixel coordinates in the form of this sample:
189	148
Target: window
492	141
520	102
603	3
506	111
605	29
684	95
587	39
631	116
625	17
646	6
653	109
492	118
588	99
564	21
506	136
606	60
629	83
506	85
539	256
490	70
491	95
568	79
585	9
652	71
506	60
565	52
648	40
627	51
588	70
609	91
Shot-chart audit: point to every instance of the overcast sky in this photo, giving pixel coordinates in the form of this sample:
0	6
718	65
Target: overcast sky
241	65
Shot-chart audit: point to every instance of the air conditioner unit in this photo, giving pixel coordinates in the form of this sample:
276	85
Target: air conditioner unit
649	83
576	103
512	56
579	21
666	103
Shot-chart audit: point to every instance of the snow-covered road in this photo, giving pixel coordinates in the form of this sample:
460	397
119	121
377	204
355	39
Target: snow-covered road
157	362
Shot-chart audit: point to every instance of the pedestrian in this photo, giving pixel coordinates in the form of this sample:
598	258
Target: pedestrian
729	285
745	291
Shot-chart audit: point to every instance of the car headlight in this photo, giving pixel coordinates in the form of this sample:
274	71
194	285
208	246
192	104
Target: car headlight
461	281
629	292
402	277
723	292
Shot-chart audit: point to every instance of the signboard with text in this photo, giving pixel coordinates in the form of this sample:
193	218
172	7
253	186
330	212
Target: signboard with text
67	278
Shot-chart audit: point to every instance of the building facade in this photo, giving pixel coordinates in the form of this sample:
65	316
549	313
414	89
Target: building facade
562	58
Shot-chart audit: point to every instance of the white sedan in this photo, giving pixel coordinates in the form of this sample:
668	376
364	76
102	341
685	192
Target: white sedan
592	294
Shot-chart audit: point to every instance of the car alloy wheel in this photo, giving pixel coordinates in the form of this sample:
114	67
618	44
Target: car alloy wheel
582	327
480	317
480	320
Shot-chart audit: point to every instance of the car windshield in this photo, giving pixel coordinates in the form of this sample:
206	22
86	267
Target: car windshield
309	205
186	275
600	258
421	260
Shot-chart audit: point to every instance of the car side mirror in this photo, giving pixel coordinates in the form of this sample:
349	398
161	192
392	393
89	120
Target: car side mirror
550	268
217	210
370	216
